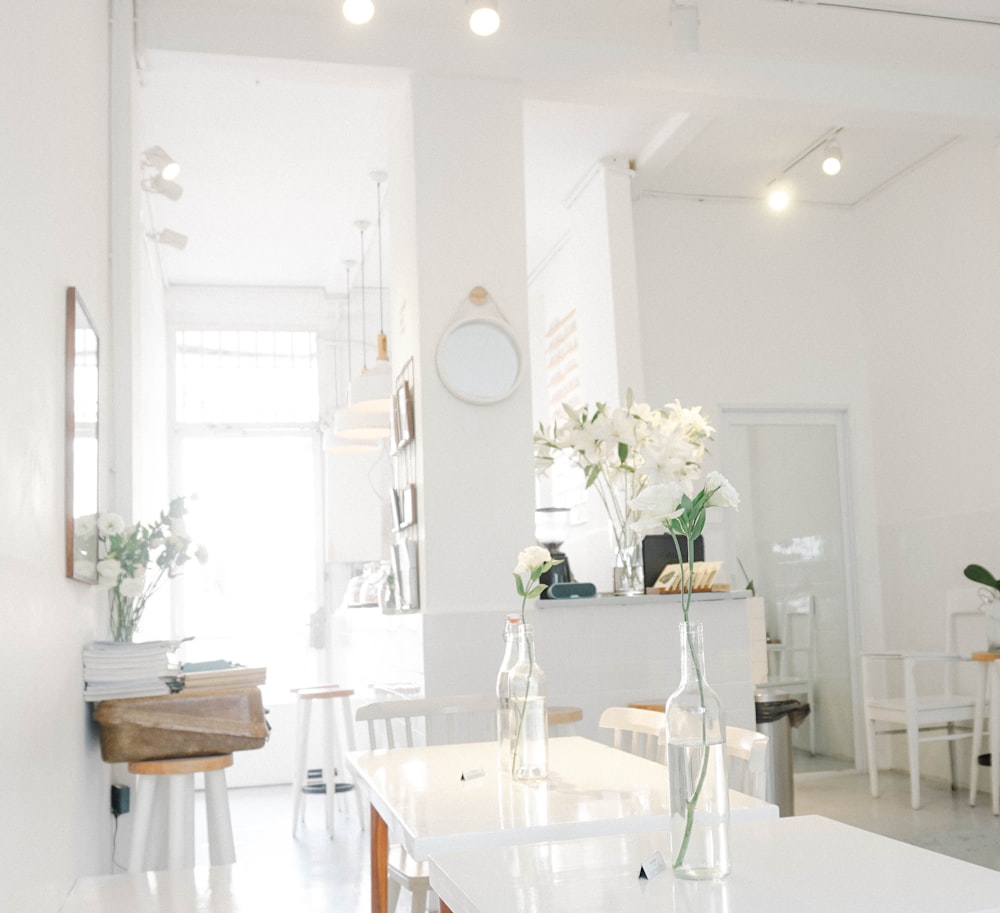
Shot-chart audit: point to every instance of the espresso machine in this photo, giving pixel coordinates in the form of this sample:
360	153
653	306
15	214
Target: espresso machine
551	530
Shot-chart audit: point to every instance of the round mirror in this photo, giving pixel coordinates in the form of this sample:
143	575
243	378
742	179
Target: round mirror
479	360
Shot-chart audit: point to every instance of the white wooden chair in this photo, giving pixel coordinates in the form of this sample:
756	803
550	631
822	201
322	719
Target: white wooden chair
746	754
941	713
424	721
641	732
795	658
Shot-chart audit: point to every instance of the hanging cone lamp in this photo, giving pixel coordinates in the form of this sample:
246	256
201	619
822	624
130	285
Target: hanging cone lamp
371	391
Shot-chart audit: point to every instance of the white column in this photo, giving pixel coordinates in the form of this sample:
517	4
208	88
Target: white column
457	191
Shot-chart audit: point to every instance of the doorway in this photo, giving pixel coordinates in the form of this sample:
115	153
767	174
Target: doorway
793	536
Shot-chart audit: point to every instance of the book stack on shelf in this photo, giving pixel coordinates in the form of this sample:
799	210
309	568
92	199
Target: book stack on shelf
113	670
220	674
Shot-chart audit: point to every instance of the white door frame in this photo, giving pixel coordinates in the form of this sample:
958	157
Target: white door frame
837	417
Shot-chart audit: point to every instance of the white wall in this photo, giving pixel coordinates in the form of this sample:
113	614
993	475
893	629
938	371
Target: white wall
889	310
54	233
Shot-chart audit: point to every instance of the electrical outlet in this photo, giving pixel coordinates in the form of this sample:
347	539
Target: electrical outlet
119	800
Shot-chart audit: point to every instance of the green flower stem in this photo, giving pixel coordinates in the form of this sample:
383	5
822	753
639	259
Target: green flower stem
527	689
691	803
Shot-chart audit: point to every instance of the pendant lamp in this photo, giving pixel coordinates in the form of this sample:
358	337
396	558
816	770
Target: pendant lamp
371	391
354	432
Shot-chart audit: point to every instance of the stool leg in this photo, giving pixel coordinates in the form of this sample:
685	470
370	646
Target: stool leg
220	826
180	840
299	775
329	767
145	788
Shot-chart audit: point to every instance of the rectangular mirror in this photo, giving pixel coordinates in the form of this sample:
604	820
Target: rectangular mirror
82	370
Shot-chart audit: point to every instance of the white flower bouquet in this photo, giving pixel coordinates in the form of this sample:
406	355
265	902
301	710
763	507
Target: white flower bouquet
133	561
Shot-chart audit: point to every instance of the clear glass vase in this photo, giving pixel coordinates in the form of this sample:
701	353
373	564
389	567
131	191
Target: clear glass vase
696	762
628	577
528	722
503	691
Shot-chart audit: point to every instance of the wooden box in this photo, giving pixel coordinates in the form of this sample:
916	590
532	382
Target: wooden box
183	725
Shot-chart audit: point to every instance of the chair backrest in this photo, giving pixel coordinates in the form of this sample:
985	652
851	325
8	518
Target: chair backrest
641	732
798	634
746	756
430	720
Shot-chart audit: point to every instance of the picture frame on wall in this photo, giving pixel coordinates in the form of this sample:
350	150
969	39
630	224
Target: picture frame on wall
402	415
404	566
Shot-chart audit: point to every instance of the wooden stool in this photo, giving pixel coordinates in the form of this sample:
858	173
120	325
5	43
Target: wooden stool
563	720
306	696
171	784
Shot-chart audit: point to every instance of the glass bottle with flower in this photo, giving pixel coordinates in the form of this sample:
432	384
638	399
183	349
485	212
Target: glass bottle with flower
522	699
621	451
133	560
696	728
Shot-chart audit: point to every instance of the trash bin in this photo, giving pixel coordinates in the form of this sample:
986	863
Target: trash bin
776	715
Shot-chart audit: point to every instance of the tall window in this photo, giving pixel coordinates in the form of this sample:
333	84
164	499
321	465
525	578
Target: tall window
247	424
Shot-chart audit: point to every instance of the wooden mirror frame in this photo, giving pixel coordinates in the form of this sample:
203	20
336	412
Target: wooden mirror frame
82	448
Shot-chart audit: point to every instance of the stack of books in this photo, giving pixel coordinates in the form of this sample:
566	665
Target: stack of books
221	674
112	670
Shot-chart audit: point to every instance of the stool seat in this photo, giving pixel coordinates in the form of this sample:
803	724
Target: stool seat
563	720
306	696
165	807
181	765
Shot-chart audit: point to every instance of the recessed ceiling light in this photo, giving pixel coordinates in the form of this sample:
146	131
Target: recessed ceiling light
358	12
778	197
831	159
484	19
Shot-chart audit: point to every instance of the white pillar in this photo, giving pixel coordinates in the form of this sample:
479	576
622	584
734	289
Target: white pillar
457	189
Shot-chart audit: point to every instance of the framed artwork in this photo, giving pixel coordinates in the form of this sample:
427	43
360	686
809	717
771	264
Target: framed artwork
402	415
404	566
82	384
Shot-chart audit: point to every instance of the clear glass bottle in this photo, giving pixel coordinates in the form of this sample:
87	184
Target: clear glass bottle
696	763
529	736
503	694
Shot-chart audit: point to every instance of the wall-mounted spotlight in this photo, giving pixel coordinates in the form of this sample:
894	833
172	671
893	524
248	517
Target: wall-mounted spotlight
484	19
358	12
831	158
169	237
684	22
166	167
170	189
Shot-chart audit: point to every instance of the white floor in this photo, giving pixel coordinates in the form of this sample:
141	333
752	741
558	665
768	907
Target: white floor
333	874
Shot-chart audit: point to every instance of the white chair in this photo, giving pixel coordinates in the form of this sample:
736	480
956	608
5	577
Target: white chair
923	713
795	658
746	754
404	723
641	732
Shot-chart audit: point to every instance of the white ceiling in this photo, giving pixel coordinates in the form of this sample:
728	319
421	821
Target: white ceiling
277	109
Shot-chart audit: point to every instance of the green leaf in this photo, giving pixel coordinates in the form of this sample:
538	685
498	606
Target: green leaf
622	451
592	473
978	574
537	591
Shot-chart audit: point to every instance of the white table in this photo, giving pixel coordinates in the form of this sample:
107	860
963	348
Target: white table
807	864
591	789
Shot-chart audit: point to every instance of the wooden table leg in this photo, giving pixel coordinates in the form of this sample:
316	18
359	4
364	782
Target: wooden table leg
444	907
380	863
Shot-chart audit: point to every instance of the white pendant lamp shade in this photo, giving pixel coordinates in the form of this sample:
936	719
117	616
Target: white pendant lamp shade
354	425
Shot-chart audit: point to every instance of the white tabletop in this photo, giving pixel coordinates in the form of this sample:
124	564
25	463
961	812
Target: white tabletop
591	789
789	865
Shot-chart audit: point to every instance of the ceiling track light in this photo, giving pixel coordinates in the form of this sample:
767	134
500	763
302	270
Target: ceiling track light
832	158
779	195
358	12
165	167
684	22
484	20
169	237
158	184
